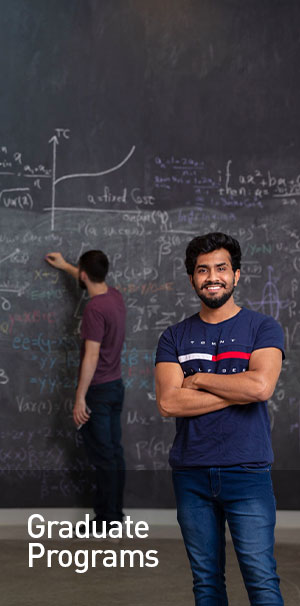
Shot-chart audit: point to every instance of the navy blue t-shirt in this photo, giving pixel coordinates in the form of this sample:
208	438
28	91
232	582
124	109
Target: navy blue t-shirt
237	434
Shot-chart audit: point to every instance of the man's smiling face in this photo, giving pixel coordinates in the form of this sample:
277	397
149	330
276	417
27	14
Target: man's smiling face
214	279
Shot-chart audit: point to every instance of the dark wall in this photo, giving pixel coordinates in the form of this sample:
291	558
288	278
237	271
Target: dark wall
132	126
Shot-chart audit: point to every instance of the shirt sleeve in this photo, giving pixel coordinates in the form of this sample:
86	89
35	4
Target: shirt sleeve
93	325
166	349
269	334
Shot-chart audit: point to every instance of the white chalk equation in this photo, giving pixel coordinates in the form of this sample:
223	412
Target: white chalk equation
22	198
61	134
16	197
8	288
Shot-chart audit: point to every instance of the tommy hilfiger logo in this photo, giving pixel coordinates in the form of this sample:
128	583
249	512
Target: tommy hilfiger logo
221	342
241	355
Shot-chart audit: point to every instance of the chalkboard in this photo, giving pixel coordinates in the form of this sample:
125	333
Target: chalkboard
133	126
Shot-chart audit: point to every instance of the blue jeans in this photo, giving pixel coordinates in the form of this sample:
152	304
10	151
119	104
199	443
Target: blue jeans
102	440
243	496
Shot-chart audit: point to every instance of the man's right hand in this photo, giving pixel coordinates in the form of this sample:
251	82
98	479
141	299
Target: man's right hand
56	260
80	411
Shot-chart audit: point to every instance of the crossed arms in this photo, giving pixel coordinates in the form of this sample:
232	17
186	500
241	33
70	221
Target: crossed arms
205	392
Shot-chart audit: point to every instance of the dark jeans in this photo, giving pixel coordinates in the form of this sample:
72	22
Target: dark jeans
243	496
102	440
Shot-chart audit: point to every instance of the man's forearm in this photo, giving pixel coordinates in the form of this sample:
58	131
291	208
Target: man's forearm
182	402
241	387
71	269
57	260
87	371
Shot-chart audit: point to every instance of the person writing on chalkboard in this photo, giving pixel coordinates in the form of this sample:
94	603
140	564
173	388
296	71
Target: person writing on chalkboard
100	390
215	372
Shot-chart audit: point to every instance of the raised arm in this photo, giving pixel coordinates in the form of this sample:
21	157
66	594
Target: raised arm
57	260
174	400
255	385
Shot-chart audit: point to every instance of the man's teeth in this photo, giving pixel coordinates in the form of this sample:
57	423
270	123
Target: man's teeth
214	287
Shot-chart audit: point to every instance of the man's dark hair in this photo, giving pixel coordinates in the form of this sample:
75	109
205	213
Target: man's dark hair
95	264
208	243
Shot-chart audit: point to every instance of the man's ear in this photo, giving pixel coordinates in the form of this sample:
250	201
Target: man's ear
192	281
237	276
82	275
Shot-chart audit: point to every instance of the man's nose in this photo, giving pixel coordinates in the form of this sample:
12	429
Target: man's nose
212	276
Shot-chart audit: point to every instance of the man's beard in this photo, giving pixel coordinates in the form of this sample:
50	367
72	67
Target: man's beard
215	303
81	284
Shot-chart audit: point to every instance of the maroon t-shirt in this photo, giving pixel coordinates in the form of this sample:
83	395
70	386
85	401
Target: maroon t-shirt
104	321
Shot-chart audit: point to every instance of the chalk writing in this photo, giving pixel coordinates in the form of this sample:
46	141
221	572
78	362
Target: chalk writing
270	302
3	377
